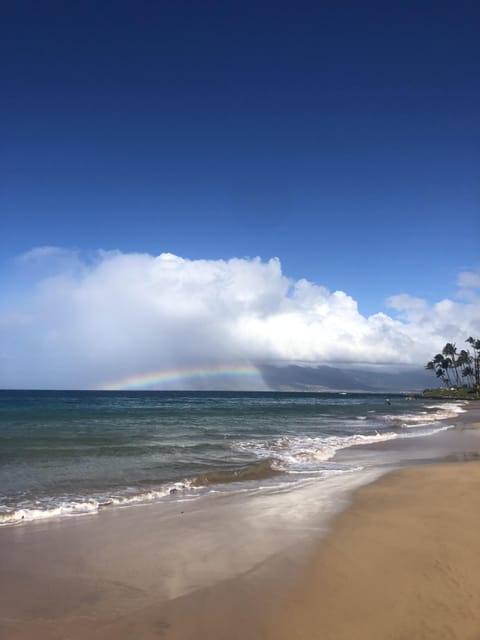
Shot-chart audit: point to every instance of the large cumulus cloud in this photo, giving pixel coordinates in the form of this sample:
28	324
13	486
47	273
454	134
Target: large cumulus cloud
85	321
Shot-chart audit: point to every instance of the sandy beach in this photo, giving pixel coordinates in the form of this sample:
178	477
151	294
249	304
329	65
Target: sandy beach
400	562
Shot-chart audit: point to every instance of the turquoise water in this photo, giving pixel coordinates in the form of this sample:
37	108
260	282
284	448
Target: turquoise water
68	453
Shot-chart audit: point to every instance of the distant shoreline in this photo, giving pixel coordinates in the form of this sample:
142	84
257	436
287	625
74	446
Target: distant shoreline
470	397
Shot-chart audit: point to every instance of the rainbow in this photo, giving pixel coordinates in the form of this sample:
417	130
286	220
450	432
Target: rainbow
177	376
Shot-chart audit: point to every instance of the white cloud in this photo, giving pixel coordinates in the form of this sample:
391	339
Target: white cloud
469	280
124	314
410	308
41	254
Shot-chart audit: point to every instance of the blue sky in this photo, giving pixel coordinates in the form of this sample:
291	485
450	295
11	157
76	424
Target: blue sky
342	138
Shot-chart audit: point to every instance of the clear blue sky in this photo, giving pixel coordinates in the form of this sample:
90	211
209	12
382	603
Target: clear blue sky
342	137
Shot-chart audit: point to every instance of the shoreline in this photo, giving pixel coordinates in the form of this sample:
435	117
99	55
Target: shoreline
272	468
193	572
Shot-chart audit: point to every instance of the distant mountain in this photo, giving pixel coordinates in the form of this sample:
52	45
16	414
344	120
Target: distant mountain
326	378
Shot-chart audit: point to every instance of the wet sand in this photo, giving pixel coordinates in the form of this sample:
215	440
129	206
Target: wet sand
186	569
401	562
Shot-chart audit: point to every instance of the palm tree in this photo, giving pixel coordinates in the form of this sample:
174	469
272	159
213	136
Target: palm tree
440	373
440	365
475	344
440	362
450	351
468	372
464	362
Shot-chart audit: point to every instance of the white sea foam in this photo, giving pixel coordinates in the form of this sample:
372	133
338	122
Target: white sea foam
451	408
300	456
443	411
66	509
303	453
325	472
428	430
50	508
300	452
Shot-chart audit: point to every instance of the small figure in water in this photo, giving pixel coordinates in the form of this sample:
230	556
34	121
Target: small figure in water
388	401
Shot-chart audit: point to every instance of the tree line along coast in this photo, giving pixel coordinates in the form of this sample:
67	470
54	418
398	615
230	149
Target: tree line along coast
458	370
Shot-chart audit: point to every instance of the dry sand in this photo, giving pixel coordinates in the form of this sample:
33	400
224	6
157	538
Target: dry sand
403	562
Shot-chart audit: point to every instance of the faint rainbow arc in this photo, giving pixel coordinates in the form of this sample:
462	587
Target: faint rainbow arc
169	376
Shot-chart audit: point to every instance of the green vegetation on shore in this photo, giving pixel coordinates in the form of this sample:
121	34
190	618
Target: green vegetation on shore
462	393
458	370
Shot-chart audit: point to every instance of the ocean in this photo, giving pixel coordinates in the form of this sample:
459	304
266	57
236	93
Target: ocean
72	453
